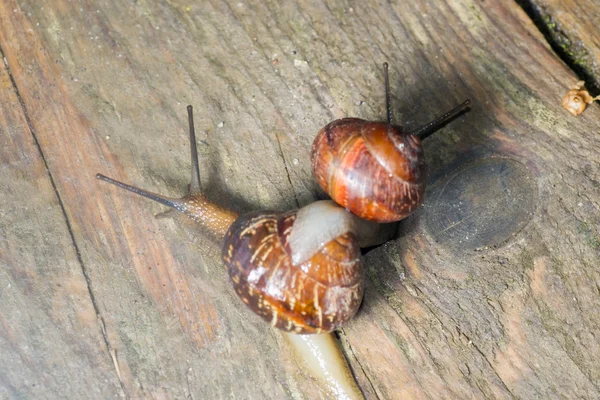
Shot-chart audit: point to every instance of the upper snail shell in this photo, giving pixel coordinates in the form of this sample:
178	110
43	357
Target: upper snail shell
318	293
372	169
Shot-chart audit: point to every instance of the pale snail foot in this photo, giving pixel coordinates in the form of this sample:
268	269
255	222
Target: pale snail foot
322	358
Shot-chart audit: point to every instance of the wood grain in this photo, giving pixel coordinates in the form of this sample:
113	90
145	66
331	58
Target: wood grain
49	332
105	84
573	28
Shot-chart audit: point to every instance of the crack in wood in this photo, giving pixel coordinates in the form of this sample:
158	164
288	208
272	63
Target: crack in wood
560	42
110	350
341	336
287	171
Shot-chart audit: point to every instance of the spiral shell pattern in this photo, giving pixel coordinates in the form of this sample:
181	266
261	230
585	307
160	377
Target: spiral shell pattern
372	169
316	296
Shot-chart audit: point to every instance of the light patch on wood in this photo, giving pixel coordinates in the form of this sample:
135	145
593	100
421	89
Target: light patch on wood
537	274
75	288
113	355
408	260
509	360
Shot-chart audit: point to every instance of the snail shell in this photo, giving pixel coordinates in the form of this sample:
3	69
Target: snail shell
317	294
577	99
372	169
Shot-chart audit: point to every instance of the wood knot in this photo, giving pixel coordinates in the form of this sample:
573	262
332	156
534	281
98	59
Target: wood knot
482	203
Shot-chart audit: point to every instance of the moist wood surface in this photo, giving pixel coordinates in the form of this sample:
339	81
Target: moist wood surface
98	299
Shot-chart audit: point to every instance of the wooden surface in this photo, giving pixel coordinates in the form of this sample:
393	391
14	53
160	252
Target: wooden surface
98	299
572	26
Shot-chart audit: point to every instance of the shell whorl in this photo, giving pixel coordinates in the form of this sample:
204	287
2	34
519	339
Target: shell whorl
315	296
371	168
317	224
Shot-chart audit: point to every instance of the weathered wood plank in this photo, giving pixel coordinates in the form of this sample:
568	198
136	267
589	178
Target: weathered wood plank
573	27
51	342
508	310
159	310
513	315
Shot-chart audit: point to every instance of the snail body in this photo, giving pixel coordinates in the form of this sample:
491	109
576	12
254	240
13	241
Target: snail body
374	169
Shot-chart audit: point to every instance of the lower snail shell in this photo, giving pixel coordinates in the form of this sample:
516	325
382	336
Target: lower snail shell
372	169
318	295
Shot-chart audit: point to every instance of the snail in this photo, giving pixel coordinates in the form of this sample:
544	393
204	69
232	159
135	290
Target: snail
300	270
374	169
577	99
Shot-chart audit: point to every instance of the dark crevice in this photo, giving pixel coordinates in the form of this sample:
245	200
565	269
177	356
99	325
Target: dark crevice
287	171
64	212
340	336
570	53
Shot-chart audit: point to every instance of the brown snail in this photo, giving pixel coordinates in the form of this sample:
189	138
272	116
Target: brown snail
577	99
374	169
300	270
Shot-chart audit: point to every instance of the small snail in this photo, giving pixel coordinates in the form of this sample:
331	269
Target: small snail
577	99
299	270
374	169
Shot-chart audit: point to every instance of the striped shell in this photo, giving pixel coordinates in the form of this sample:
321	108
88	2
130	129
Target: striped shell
316	296
372	169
